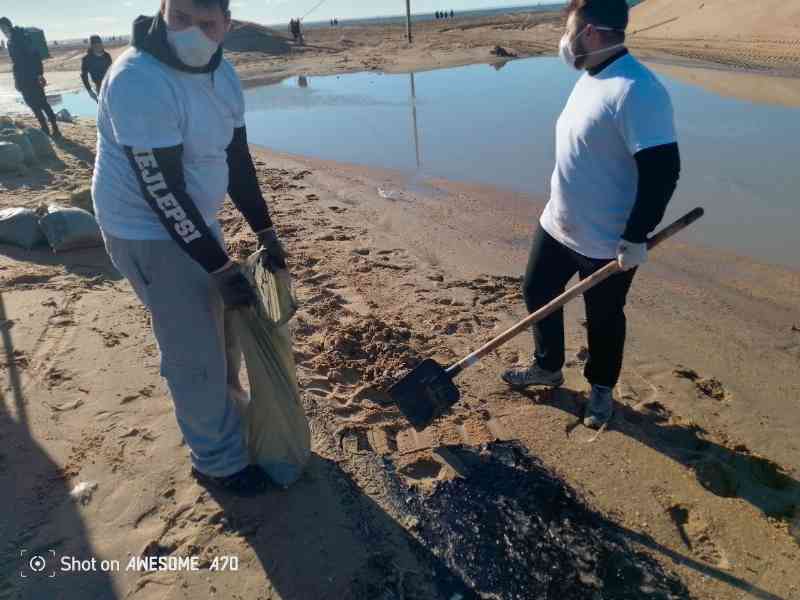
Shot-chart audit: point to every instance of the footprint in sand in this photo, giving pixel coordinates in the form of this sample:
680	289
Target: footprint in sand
55	377
422	469
145	392
698	534
17	359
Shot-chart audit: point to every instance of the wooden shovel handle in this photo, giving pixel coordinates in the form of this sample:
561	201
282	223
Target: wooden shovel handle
610	269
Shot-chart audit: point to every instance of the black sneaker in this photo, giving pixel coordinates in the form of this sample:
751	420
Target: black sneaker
250	481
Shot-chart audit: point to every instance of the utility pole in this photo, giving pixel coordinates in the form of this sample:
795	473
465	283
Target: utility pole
414	118
408	19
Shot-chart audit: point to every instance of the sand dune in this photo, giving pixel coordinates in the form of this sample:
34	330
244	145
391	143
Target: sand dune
723	19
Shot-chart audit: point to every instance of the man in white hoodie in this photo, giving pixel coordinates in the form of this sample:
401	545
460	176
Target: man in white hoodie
171	144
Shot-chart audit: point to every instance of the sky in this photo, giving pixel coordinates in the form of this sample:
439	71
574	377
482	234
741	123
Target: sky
81	18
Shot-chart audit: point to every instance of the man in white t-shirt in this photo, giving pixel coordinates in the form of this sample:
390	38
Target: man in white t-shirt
617	166
171	144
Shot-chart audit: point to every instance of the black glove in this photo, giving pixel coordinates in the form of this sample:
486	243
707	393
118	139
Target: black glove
235	288
274	256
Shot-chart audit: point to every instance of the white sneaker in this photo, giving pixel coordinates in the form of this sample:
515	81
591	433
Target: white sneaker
520	378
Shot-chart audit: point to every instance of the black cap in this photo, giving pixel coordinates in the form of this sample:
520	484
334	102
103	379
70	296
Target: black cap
5	22
95	39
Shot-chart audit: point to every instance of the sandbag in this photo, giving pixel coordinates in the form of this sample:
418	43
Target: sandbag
82	199
6	122
20	227
41	144
21	140
68	228
64	116
11	157
275	425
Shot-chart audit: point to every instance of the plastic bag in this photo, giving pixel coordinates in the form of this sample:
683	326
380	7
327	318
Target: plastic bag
20	227
64	116
275	425
70	228
11	157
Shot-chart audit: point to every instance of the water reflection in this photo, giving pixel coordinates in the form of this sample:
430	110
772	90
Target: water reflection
497	127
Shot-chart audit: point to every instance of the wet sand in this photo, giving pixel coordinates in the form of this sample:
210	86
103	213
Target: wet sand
699	468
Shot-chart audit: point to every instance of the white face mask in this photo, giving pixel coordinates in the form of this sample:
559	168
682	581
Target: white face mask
567	54
192	46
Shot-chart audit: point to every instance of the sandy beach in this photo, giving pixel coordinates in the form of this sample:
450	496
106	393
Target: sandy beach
696	482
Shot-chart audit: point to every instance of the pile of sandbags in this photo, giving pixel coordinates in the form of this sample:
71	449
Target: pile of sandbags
21	146
12	160
69	228
20	227
63	228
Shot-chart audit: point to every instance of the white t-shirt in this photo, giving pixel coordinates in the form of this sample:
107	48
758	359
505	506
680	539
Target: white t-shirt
608	118
147	104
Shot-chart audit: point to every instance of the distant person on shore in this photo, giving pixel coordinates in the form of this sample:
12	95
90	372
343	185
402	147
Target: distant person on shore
95	65
617	167
29	76
296	30
452	14
171	144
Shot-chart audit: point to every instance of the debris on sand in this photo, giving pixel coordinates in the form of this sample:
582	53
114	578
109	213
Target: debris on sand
712	388
689	374
502	52
511	529
82	493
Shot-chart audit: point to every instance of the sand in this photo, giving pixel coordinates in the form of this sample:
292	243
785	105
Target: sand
698	472
698	469
762	35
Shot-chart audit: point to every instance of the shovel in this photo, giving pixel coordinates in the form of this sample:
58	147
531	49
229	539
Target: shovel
428	391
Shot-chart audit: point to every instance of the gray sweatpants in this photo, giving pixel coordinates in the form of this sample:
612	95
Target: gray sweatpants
200	359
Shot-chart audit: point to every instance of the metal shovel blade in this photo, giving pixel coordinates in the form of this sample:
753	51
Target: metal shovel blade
425	393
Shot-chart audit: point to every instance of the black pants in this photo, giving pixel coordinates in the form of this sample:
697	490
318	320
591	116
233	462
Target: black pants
36	100
550	266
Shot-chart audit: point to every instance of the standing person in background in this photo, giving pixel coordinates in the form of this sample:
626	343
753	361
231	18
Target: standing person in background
617	167
95	65
171	144
29	76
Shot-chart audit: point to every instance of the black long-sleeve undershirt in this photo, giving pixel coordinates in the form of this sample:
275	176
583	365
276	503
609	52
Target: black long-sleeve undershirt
160	175
659	169
243	185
